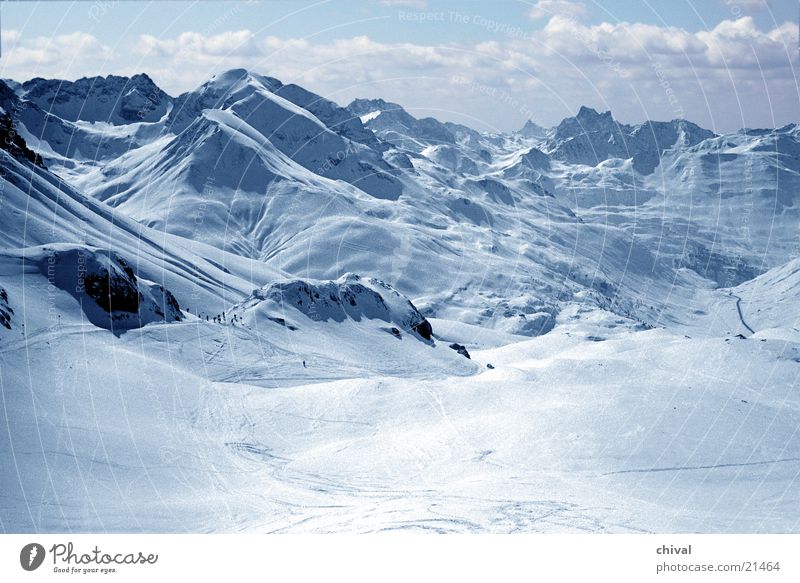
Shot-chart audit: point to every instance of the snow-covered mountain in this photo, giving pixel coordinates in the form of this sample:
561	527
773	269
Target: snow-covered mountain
115	100
393	124
591	137
533	130
280	293
272	114
71	144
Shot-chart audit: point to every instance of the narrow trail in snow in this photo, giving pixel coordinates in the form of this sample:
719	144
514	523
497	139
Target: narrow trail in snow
741	316
707	467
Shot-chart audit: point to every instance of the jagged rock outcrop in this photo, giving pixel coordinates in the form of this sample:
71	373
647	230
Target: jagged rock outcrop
106	286
350	297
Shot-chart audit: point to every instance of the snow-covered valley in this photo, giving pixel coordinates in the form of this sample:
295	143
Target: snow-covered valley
247	308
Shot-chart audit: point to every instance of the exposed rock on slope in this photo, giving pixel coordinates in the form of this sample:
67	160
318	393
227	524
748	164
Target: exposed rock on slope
106	286
14	144
5	310
349	297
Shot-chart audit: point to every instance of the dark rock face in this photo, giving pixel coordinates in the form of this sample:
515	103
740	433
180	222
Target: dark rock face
112	292
424	329
5	310
173	309
172	303
461	349
7	93
64	137
109	292
394	332
283	323
12	142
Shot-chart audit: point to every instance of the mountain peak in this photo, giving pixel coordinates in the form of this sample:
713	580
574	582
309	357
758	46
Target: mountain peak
587	113
591	137
234	77
361	106
112	99
532	129
222	86
142	78
238	73
230	77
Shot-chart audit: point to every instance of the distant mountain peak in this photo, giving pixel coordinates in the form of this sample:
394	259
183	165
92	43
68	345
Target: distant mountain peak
113	99
588	113
591	137
362	106
532	130
395	125
236	73
223	84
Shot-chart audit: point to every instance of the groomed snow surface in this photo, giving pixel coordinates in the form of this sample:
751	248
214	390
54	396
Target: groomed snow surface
274	421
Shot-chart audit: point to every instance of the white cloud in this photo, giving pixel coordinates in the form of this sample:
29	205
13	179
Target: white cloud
731	44
637	70
739	44
549	8
622	66
237	43
9	36
742	5
48	55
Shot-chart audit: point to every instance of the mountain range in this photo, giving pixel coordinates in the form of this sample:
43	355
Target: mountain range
248	307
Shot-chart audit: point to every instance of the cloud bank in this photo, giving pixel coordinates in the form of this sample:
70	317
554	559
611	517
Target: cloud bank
730	76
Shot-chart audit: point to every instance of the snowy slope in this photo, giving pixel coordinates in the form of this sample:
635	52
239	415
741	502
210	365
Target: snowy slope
484	215
724	207
771	302
185	344
73	271
644	431
42	210
103	284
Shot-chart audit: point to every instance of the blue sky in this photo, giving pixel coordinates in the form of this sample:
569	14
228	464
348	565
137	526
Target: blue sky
490	64
109	20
